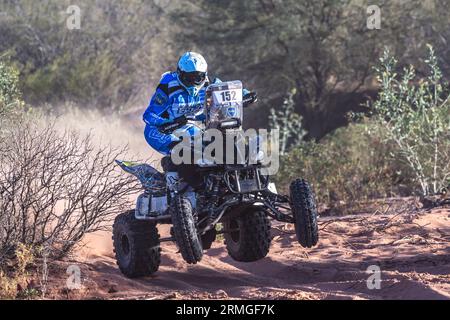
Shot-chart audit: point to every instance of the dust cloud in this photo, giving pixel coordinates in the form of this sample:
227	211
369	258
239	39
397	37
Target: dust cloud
118	131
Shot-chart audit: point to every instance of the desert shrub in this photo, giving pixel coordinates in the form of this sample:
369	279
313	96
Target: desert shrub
18	283
403	149
353	163
289	124
56	187
415	115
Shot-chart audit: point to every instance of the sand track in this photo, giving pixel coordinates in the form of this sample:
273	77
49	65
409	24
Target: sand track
411	249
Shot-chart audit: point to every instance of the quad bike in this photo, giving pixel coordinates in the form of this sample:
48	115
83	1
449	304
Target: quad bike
239	196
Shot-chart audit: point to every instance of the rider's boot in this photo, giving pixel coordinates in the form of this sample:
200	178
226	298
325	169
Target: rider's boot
175	183
177	186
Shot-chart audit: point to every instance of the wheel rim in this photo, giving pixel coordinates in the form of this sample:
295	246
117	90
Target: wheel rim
125	245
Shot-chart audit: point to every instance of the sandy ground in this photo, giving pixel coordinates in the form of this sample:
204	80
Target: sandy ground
412	250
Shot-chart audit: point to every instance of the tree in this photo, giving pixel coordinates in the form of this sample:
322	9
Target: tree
307	45
322	48
118	51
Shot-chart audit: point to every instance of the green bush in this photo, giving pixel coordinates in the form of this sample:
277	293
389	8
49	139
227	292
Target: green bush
351	164
415	116
10	96
403	149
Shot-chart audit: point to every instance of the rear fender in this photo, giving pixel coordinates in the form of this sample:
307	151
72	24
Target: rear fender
149	177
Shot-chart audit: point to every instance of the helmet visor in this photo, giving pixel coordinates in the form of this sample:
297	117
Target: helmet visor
194	78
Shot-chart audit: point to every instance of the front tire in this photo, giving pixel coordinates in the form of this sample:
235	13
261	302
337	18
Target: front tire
304	210
185	231
249	237
136	245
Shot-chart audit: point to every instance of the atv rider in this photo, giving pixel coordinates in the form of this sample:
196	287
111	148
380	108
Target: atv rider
177	95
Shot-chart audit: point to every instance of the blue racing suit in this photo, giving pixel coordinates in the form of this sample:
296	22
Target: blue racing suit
170	101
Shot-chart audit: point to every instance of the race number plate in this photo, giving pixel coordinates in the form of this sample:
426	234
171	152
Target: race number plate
224	101
227	97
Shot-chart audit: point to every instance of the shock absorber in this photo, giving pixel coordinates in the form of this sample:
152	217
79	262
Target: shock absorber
214	197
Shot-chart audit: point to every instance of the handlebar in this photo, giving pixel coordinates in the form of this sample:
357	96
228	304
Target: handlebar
179	122
249	98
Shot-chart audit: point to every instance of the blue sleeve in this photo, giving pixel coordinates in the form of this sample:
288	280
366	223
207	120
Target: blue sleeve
158	104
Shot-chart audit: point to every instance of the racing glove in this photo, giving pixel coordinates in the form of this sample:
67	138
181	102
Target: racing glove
249	98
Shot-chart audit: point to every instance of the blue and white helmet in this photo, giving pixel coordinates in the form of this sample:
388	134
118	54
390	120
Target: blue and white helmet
192	72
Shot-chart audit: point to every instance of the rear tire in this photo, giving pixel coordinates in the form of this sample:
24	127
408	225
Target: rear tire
251	239
304	210
136	245
208	238
185	231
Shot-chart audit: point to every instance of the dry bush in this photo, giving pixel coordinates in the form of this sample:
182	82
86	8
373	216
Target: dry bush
56	187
